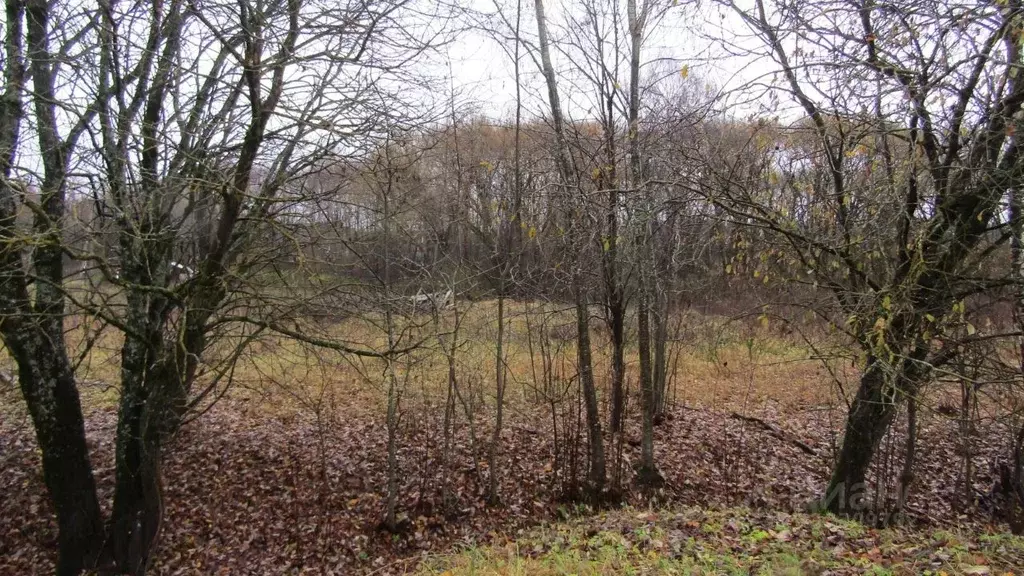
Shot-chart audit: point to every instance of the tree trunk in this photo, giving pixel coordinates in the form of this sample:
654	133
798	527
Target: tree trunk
390	517
1015	54
660	353
48	386
138	497
871	414
615	303
615	310
966	403
647	473
448	500
665	275
910	454
151	388
617	324
499	358
33	331
597	463
566	174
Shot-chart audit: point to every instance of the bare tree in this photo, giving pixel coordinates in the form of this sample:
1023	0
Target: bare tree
648	472
200	127
900	239
32	325
568	179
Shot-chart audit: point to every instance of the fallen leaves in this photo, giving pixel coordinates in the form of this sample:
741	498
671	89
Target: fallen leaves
252	494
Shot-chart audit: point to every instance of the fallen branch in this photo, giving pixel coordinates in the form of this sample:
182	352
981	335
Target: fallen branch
776	432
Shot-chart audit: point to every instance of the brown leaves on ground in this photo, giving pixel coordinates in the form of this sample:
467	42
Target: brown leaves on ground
250	494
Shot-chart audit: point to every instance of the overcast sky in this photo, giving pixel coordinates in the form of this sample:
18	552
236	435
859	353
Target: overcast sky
483	73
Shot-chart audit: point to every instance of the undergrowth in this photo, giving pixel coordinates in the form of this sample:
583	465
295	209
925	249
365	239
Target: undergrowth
731	541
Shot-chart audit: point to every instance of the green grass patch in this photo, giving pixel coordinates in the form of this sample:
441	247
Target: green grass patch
731	541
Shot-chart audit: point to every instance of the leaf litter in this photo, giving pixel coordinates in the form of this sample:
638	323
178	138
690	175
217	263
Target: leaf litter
250	493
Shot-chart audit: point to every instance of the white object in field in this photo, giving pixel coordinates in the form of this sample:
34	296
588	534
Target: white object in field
181	271
439	300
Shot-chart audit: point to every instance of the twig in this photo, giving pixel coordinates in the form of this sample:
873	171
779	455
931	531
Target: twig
776	432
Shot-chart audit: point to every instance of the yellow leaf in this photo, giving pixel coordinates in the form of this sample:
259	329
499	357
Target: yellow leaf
684	71
532	233
859	150
971	329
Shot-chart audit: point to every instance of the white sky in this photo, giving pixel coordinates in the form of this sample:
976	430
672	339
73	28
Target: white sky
483	72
